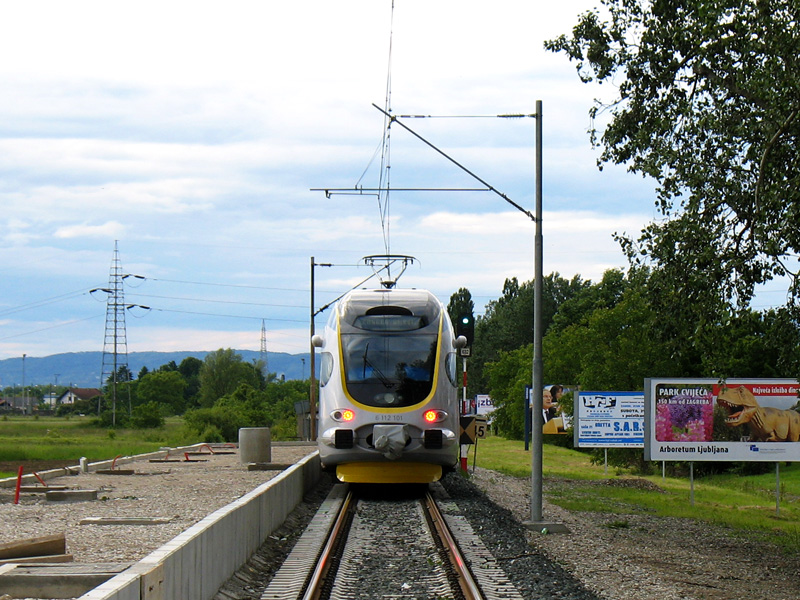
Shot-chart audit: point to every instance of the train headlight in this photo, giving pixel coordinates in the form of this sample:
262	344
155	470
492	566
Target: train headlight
344	415
434	416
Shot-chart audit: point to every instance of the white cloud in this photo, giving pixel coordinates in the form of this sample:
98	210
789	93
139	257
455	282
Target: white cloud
193	132
490	224
110	229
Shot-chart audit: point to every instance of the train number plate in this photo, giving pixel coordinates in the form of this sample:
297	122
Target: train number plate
389	418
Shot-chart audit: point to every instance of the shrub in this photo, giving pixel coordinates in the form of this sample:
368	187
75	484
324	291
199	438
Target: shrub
212	435
147	416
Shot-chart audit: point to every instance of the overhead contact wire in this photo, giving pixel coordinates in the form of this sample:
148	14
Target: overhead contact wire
385	170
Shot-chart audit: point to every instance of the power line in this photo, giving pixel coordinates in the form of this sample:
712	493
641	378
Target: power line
507	116
234	285
183	298
190	312
16	335
44	302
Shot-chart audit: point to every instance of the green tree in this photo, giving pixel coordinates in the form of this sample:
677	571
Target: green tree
165	388
602	337
460	304
612	349
147	416
508	321
190	370
605	294
507	378
707	105
754	344
281	397
222	372
123	373
248	406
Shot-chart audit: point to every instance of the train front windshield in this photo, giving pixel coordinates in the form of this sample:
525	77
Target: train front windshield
389	346
391	371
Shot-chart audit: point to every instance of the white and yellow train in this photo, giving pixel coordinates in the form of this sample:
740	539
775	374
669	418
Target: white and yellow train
388	397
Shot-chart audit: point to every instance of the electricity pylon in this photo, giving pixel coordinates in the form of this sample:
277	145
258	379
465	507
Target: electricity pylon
115	342
264	359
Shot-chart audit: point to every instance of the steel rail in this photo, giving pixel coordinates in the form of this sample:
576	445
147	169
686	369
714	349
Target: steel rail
327	563
466	581
326	559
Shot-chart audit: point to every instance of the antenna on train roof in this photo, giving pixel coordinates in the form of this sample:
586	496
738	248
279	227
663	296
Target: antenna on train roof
384	262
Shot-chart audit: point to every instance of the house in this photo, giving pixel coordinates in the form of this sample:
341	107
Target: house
17	403
73	394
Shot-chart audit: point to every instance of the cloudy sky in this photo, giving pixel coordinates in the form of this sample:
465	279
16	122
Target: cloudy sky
193	134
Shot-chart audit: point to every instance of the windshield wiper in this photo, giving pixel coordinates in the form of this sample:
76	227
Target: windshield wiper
387	383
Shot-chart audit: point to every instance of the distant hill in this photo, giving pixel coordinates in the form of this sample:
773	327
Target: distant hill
82	369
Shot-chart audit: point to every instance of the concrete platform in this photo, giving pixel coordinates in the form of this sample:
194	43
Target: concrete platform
55	580
198	561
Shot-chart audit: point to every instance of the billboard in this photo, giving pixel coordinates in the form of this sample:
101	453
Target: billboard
706	420
483	404
609	419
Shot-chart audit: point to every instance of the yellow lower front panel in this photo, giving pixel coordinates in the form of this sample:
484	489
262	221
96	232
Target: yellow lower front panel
388	472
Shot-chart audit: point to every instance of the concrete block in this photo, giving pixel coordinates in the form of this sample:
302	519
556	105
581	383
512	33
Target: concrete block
70	495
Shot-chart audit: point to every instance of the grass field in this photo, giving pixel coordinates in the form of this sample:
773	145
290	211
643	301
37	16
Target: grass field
60	439
741	502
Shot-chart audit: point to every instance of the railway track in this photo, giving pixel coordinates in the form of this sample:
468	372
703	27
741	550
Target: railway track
361	545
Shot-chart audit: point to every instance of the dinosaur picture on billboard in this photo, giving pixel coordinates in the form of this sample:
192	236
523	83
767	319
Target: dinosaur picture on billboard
764	423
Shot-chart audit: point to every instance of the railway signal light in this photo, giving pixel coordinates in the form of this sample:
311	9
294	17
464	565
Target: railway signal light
466	326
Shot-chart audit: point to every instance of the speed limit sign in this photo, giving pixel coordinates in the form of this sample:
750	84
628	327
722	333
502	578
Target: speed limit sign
481	426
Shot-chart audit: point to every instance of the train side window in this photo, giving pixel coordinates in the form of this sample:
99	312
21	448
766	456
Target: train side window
450	367
325	368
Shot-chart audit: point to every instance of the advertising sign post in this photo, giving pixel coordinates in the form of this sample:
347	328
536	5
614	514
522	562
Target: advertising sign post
755	420
609	420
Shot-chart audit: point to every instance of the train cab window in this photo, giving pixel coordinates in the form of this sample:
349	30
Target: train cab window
390	318
450	366
389	323
389	343
389	370
325	368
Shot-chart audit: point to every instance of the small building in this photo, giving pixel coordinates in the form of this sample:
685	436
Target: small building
17	403
73	394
